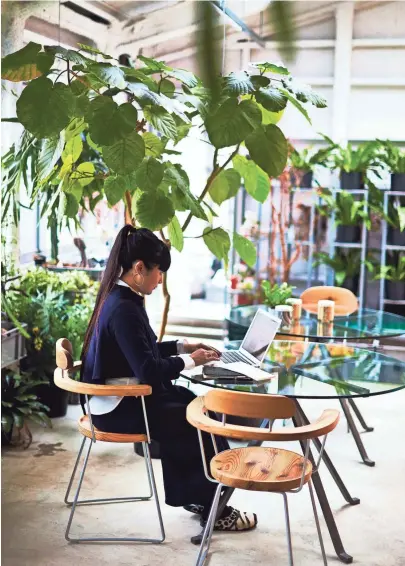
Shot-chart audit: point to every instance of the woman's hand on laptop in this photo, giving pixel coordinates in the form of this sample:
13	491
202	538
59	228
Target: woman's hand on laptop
190	348
203	356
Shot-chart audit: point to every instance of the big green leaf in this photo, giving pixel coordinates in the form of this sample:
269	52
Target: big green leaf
271	99
268	148
161	120
296	103
256	181
84	173
304	92
153	145
218	242
185	77
44	109
108	74
114	188
73	148
245	249
125	155
232	122
183	198
50	154
167	88
152	64
238	83
143	94
109	122
26	64
176	234
71	205
224	186
149	174
154	210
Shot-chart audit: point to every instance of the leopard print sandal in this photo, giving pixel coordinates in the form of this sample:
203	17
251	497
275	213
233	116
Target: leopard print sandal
236	521
195	509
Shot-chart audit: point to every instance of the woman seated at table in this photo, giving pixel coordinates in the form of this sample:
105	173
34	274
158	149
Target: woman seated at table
119	343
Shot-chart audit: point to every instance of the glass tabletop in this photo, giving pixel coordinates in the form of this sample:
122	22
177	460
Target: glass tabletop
320	371
361	325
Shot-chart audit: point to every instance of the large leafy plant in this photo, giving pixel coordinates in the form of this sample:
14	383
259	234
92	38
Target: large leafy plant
347	210
394	272
344	265
307	159
131	120
361	159
392	156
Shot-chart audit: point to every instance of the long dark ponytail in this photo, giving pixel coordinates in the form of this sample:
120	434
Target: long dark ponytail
131	245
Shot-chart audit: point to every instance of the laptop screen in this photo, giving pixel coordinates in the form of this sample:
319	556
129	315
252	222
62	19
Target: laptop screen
260	334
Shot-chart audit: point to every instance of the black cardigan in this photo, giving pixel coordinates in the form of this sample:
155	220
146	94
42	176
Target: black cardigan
124	345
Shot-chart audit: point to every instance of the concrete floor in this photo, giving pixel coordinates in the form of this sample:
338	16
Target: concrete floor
34	516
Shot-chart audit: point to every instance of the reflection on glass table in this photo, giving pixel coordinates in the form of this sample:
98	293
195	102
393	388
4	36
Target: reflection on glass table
364	324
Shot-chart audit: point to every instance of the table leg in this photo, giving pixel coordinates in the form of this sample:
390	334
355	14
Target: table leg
328	462
324	503
356	411
355	433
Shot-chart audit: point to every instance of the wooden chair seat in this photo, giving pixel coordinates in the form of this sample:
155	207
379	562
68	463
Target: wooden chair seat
345	301
260	468
85	429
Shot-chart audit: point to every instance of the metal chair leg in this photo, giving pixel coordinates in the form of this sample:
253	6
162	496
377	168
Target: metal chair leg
288	530
209	527
318	526
105	500
76	502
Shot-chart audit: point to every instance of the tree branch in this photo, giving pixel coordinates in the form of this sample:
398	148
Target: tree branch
217	170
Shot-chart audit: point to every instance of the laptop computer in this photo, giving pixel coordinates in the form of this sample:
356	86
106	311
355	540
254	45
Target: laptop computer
256	342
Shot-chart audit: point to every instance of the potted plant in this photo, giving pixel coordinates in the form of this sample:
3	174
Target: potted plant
349	215
354	163
394	276
19	404
346	267
396	223
276	294
302	163
394	159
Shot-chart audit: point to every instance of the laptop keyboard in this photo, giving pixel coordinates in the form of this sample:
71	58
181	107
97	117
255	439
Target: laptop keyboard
234	356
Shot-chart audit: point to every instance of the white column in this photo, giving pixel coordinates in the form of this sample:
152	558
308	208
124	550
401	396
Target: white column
342	70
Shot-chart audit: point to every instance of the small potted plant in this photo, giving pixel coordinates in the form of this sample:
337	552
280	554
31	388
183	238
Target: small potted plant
354	163
276	294
19	404
302	163
394	276
346	267
396	224
394	159
349	215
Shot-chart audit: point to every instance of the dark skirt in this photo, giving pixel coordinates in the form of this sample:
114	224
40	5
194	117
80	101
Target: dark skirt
183	474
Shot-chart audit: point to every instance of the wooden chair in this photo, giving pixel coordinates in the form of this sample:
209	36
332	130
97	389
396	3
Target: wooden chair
345	301
257	468
62	378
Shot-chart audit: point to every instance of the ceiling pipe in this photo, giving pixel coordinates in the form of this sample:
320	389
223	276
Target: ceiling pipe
220	5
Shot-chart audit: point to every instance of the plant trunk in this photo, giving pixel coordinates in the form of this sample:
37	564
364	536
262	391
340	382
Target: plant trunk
128	209
166	296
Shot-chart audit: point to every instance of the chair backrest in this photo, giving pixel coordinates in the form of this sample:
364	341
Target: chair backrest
345	301
250	405
66	367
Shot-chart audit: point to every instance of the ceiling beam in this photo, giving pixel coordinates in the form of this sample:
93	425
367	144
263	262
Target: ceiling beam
221	6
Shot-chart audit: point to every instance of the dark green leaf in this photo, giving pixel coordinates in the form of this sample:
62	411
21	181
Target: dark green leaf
7	422
125	155
161	120
185	77
18	420
114	188
154	210
108	74
137	75
153	65
175	234
218	242
225	186
245	249
109	122
268	148
26	64
271	99
259	81
233	122
149	174
40	99
167	88
304	92
143	94
238	83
